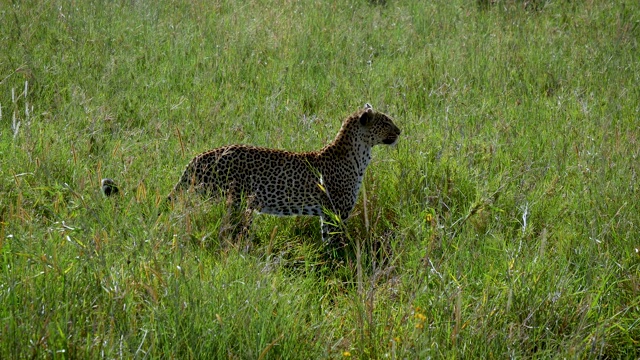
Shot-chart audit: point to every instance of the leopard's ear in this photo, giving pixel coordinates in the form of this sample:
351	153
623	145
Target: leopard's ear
367	115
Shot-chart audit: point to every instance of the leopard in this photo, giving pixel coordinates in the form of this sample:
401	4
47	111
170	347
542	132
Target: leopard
285	183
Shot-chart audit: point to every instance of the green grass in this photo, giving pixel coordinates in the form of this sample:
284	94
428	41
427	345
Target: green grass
504	224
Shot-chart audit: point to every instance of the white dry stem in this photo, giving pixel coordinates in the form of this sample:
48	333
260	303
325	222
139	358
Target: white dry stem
525	213
144	337
26	103
15	125
433	269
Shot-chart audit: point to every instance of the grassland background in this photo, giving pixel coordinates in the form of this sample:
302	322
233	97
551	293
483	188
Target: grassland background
504	224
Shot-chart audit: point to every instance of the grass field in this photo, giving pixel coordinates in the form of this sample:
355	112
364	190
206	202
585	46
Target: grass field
504	224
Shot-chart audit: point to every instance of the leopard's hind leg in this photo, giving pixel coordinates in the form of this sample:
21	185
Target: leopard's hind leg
236	224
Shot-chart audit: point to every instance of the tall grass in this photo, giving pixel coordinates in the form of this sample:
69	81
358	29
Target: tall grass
504	224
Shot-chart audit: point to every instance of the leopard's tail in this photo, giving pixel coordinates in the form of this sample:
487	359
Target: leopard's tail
181	185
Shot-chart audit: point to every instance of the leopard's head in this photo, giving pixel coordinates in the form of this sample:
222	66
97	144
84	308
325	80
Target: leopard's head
378	128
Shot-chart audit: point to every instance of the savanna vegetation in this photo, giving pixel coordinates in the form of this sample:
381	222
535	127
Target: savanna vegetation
504	224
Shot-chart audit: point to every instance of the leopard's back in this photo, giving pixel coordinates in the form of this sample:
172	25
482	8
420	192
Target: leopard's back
275	181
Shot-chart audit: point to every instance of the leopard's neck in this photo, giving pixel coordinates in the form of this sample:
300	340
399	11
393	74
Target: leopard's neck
348	153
